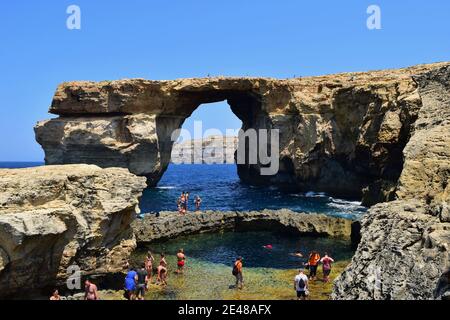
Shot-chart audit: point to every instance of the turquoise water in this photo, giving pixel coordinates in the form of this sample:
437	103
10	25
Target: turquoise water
223	248
268	274
220	189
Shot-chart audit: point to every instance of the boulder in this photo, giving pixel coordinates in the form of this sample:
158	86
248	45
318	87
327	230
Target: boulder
54	217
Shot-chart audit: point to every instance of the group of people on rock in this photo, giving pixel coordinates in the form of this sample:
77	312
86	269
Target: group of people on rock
183	201
138	280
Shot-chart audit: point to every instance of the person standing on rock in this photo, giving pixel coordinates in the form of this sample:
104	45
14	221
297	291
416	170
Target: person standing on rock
141	279
162	271
130	284
187	201
326	267
237	272
198	202
90	290
149	265
183	203
313	263
301	285
181	260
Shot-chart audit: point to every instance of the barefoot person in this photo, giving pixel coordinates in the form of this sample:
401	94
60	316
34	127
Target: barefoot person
301	285
149	265
181	261
198	203
183	203
55	295
237	272
141	282
161	278
313	263
90	290
326	267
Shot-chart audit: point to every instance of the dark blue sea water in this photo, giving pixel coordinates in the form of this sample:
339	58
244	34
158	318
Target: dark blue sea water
220	189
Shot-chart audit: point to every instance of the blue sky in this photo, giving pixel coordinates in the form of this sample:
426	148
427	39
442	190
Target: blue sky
180	38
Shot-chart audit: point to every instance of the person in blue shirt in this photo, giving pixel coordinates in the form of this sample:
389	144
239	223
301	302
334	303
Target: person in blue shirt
130	284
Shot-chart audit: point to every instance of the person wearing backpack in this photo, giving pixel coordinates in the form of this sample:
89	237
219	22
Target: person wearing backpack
237	272
301	285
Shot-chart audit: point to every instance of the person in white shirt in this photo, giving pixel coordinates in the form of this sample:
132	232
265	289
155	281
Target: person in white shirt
301	285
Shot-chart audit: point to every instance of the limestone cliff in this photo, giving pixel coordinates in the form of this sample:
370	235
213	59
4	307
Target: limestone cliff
405	246
209	150
343	134
57	216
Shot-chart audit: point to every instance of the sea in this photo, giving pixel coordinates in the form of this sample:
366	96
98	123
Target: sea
220	188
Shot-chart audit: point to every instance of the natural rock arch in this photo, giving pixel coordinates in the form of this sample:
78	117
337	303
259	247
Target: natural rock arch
341	134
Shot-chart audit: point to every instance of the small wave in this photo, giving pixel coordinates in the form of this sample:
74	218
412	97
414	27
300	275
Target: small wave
166	188
346	206
312	194
347	202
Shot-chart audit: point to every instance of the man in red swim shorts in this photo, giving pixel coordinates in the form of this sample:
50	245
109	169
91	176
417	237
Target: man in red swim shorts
181	258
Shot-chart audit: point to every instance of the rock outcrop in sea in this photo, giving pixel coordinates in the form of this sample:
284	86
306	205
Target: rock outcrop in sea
343	134
55	217
209	150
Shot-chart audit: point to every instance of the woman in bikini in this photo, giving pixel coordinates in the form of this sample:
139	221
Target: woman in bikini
149	265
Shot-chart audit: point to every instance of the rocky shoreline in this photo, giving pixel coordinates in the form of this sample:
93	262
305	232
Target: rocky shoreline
169	225
383	136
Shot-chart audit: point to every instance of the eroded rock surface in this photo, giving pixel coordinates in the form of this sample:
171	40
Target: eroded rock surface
404	251
56	216
169	225
342	134
209	150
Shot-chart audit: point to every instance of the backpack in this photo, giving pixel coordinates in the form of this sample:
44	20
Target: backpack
301	284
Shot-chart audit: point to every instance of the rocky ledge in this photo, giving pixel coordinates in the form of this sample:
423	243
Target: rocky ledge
56	216
168	225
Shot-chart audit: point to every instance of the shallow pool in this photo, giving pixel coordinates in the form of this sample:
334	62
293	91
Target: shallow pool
268	274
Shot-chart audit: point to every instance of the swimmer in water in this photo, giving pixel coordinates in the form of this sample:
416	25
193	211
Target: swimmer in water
268	246
297	254
181	261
